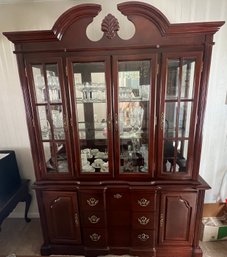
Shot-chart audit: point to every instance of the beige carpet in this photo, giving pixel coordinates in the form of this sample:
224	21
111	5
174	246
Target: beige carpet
23	238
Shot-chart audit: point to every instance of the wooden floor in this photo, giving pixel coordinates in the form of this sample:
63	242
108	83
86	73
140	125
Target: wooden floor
21	238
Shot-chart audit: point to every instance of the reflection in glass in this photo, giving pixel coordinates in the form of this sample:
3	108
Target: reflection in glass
173	79
133	115
188	70
53	86
44	123
184	119
39	83
53	83
178	111
170	119
55	156
57	117
175	155
90	94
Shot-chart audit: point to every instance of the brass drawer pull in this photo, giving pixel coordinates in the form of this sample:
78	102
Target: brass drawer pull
92	202
143	220
95	237
143	202
143	237
93	219
117	196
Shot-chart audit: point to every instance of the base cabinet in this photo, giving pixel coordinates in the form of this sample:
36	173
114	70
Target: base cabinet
144	221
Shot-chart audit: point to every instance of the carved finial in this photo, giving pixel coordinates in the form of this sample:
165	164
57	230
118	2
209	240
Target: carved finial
110	26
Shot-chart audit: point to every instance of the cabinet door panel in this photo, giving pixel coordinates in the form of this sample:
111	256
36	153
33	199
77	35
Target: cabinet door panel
50	117
178	107
62	216
177	218
134	88
89	80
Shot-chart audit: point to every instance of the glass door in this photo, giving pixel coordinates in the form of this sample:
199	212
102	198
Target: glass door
179	103
50	119
91	101
134	89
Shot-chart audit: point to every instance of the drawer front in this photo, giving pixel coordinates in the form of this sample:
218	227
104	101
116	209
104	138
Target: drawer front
93	219
119	218
94	237
142	220
143	238
91	200
119	236
143	201
118	199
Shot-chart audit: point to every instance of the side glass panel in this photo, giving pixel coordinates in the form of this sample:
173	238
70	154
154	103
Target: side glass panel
48	101
177	114
133	114
91	105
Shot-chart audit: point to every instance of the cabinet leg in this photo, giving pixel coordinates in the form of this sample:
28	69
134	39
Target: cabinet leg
27	200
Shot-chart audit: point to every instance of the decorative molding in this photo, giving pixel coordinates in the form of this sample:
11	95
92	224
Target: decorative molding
110	26
162	23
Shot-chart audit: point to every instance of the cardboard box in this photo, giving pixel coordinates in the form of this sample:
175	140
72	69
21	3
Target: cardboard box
214	229
214	222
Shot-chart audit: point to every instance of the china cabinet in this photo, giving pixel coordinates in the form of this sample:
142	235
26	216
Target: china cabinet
115	129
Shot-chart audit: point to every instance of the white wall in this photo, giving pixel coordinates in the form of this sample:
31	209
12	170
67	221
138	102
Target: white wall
40	15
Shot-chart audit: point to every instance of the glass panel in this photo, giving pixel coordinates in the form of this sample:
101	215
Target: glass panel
188	70
175	155
182	155
173	79
90	93
170	119
44	123
134	96
57	117
55	156
53	83
184	119
169	154
39	83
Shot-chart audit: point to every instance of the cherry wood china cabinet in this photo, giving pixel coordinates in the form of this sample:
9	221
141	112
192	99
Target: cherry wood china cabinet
116	127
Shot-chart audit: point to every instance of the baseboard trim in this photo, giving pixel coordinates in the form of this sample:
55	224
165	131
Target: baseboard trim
20	215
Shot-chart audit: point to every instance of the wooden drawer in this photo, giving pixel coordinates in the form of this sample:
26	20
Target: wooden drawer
119	236
93	219
94	237
118	199
143	201
91	200
142	220
143	238
119	218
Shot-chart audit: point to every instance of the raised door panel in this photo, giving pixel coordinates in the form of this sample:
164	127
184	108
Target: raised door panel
62	217
177	218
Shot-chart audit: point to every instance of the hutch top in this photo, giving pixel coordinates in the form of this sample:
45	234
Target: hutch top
115	109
